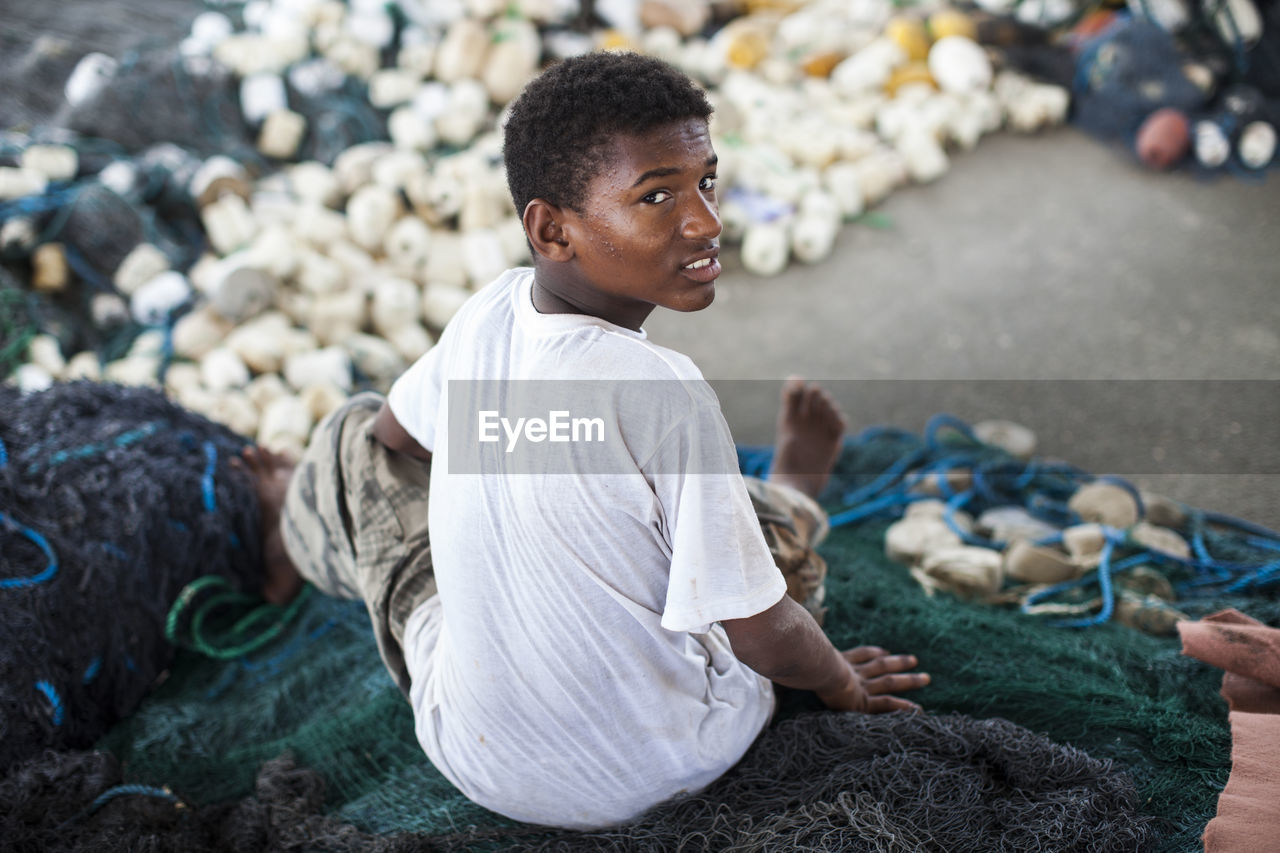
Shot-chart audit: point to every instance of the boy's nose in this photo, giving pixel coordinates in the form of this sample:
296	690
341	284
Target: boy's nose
702	220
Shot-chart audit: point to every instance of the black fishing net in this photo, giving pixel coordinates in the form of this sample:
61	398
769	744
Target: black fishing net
1264	58
895	782
41	43
43	812
112	499
156	96
846	782
1127	73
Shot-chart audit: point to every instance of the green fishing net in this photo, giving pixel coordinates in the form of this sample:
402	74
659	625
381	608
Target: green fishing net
321	693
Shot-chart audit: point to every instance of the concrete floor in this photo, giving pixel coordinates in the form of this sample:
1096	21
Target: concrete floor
1130	318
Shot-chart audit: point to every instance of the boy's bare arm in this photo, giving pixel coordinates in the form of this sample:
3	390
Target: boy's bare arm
785	645
388	431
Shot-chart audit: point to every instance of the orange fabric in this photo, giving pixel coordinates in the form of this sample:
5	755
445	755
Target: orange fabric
1248	819
1235	642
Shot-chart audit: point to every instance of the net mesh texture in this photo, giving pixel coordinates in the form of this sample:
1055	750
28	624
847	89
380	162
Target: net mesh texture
111	501
1036	738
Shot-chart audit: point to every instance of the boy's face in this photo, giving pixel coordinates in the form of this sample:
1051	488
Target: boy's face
648	233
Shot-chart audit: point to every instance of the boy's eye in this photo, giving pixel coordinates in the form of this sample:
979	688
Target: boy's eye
707	183
657	196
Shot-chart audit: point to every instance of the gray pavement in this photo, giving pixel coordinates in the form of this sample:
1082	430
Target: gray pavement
1130	318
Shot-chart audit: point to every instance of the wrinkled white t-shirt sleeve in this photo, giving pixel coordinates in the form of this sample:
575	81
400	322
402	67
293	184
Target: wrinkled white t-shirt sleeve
414	398
720	565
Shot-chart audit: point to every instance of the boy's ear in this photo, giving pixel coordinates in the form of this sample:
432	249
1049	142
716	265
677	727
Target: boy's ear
544	225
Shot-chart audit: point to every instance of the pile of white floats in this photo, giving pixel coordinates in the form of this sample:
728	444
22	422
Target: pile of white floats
320	276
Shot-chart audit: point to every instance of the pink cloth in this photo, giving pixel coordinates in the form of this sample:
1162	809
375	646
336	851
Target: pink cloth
1248	819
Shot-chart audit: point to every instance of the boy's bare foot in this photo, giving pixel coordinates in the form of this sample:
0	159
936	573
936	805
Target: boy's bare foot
810	427
271	473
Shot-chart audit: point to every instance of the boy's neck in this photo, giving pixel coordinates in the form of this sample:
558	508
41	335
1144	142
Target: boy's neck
553	296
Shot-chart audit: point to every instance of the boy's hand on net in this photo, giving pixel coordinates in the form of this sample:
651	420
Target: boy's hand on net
873	676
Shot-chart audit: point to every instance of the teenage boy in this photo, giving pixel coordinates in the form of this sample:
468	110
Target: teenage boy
579	644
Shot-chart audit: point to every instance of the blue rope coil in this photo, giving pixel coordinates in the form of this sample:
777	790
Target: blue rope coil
1043	489
51	567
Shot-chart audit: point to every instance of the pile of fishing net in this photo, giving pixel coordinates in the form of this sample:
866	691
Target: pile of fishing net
1219	92
824	781
1035	738
111	501
820	781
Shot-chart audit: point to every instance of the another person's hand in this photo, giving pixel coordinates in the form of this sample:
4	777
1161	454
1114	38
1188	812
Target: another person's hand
874	676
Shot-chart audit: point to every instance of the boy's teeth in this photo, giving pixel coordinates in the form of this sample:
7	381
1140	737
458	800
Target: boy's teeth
698	264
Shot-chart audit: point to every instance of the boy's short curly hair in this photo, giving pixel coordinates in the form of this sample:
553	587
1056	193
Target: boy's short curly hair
557	130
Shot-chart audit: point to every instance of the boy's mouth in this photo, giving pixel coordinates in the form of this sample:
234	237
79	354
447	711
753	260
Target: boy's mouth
704	269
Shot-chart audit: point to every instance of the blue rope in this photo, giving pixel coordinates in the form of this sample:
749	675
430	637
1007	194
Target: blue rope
51	567
82	268
55	197
124	439
114	550
872	508
206	480
891	475
91	671
1264	576
4	454
880	433
51	693
1240	524
943	421
1128	487
122	791
132	791
1043	490
755	461
949	516
1103	578
166	343
1103	575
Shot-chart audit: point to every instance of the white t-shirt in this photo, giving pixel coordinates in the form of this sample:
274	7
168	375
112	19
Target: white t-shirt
570	671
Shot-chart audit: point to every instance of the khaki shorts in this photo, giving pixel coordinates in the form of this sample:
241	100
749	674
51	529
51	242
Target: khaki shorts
355	524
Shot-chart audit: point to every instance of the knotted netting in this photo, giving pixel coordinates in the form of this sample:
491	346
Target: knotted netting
1036	738
112	499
